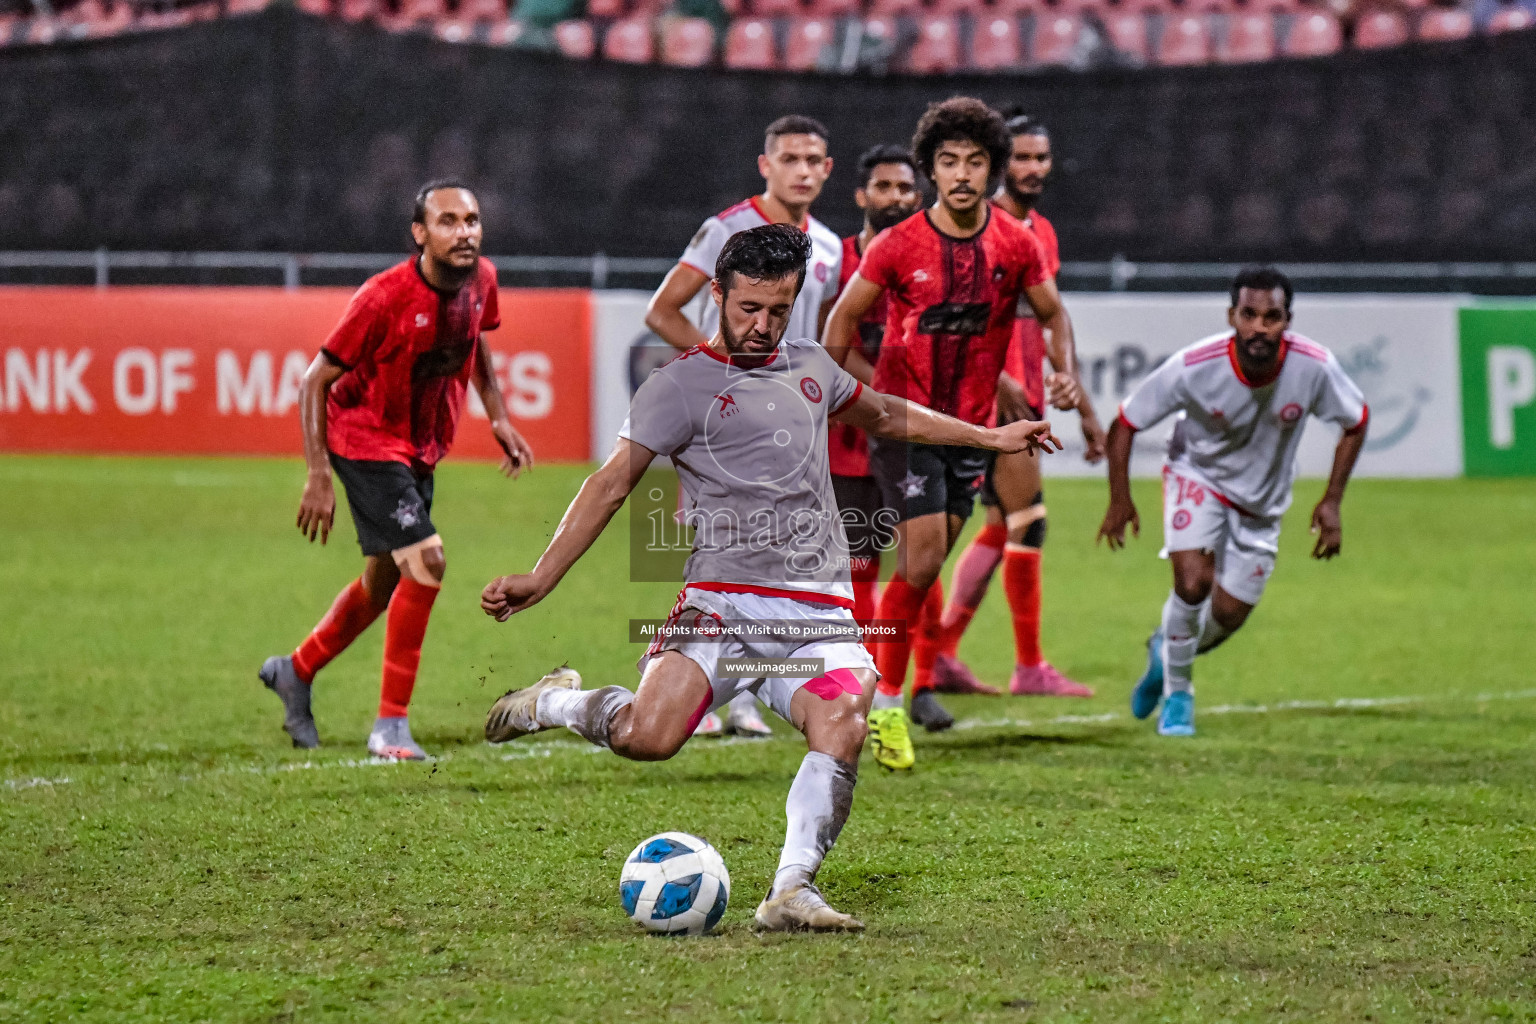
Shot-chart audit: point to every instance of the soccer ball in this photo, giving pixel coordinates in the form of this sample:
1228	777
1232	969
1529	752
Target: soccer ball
675	883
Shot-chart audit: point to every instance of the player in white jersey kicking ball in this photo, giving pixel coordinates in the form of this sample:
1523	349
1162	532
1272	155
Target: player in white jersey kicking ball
744	419
794	165
1242	398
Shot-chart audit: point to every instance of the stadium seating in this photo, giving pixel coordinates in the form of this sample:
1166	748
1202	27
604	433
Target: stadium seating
1014	8
1511	19
1248	37
895	8
1444	23
487	12
1056	38
1269	6
1127	32
1379	28
415	13
971	7
995	44
607	10
1313	35
749	45
774	8
629	40
810	41
687	42
576	39
359	10
937	50
835	8
1185	40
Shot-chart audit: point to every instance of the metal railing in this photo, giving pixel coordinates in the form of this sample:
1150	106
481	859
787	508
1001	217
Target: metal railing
599	270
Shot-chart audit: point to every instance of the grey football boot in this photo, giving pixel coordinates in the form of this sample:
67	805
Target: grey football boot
391	738
278	675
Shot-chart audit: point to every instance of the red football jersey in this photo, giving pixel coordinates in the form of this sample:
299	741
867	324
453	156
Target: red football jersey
1026	356
953	305
847	445
409	350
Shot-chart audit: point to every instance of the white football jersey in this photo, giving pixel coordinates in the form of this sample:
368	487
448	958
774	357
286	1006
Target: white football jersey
821	274
1237	437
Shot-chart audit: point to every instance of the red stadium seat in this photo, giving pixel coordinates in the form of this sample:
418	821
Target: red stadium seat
576	39
1444	23
1056	37
995	44
1143	7
687	42
1127	31
1206	6
1269	6
774	8
358	10
1511	19
809	40
488	12
607	9
894	8
1380	28
749	45
506	33
835	8
880	31
418	12
630	40
1013	8
1313	35
319	8
1186	39
1249	37
937	50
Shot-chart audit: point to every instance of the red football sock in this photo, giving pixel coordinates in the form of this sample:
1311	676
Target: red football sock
352	612
968	583
898	601
865	573
1021	581
925	645
404	630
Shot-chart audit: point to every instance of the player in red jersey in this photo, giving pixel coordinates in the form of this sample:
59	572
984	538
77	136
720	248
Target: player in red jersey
888	194
379	406
954	274
1015	501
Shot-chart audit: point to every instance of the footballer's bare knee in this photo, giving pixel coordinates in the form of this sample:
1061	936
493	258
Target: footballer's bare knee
1194	574
423	561
836	727
1228	611
640	737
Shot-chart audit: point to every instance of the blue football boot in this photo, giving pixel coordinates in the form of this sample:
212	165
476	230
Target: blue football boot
1178	715
1150	689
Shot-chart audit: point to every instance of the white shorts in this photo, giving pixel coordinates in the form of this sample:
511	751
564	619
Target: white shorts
777	637
1196	519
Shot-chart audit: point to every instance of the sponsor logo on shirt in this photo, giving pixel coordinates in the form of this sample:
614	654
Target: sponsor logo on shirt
1291	413
966	319
727	405
810	389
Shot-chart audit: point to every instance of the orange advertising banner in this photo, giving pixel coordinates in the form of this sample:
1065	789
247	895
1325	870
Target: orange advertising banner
217	370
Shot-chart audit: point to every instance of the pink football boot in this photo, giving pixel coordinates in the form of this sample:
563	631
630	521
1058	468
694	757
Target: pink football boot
1043	680
951	675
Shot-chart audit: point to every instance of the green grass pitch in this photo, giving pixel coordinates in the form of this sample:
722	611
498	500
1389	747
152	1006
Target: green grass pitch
1350	837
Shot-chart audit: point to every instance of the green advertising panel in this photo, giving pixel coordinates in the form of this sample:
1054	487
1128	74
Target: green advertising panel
1498	390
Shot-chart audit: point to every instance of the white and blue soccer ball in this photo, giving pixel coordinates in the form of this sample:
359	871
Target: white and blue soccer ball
675	883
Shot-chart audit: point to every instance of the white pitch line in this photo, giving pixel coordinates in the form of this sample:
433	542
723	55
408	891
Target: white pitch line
550	748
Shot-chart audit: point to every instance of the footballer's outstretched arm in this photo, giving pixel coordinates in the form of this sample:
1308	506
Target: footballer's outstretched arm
888	416
317	508
842	326
1061	345
601	495
1122	510
517	456
665	313
1326	520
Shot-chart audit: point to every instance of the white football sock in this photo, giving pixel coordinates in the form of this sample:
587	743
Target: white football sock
1181	638
587	713
818	805
887	700
1212	633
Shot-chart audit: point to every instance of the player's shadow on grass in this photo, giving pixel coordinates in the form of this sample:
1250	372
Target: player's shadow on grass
975	742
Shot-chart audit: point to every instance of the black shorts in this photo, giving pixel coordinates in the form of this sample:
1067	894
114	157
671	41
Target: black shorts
921	479
866	521
391	505
988	494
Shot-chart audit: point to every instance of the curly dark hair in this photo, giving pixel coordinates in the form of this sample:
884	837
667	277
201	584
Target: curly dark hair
884	153
767	253
961	118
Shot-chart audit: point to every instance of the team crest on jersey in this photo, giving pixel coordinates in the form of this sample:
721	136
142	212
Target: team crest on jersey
1290	413
810	389
821	272
913	486
698	236
422	320
997	274
1180	519
919	276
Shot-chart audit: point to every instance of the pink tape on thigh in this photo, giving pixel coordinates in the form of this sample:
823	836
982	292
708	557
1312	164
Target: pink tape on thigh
835	683
699	712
